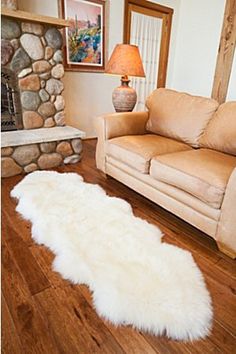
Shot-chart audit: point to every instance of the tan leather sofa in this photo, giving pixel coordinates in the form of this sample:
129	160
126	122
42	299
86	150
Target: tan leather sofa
181	154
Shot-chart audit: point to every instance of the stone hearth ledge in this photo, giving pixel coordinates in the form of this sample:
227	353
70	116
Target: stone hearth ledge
25	151
33	136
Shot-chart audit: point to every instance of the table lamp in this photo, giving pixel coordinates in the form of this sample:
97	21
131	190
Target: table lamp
126	61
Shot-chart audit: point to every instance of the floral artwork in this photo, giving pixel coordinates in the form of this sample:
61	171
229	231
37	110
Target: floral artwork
85	34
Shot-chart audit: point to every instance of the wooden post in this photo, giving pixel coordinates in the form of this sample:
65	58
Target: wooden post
225	53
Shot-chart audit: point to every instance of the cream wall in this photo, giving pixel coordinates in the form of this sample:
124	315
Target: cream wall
198	35
194	43
42	7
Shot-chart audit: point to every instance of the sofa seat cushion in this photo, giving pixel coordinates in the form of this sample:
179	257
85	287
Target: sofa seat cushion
203	173
137	150
179	115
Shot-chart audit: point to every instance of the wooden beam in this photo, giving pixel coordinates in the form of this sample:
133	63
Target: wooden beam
225	53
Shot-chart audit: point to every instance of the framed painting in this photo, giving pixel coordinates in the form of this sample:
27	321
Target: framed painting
84	48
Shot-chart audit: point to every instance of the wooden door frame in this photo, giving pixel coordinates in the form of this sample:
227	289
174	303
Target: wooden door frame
166	14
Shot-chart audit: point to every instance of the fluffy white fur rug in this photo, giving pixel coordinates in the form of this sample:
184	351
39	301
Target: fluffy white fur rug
135	278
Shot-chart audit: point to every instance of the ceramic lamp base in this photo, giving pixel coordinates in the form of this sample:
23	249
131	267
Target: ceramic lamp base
124	97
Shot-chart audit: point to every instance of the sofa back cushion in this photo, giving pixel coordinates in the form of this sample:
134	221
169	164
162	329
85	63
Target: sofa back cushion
220	134
179	115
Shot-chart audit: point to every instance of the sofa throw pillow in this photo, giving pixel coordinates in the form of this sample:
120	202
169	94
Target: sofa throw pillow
220	133
179	115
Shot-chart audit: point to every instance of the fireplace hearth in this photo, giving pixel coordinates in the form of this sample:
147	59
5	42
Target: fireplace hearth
11	113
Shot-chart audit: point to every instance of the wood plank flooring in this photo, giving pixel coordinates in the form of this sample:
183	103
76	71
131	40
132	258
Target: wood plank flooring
43	313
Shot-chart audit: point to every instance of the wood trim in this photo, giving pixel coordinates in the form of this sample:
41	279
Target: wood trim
157	10
141	10
146	11
28	16
127	23
150	5
225	53
164	50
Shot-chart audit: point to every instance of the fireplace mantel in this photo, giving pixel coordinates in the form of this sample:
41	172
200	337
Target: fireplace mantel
27	16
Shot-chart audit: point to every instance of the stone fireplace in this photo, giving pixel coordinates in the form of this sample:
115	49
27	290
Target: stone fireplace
31	58
34	135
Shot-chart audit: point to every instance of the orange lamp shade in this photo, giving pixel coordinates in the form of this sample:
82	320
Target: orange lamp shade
125	60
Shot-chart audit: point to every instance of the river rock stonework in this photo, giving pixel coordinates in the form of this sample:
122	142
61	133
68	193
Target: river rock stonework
30	100
53	38
24	72
57	57
30	82
59	103
10	29
16	160
9	167
41	66
58	71
60	118
36	60
47	109
32	120
20	60
43	94
7	51
23	155
32	45
54	86
34	28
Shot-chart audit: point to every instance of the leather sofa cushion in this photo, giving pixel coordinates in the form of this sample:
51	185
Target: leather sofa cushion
220	133
137	150
203	173
179	115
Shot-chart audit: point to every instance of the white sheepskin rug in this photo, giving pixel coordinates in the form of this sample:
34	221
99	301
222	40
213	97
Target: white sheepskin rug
135	278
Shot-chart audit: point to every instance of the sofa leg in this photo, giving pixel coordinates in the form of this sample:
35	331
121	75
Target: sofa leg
226	250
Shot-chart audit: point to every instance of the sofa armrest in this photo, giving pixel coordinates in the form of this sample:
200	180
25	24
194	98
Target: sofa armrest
226	231
119	124
114	125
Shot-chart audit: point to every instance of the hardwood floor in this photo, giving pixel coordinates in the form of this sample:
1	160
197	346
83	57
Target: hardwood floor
43	313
